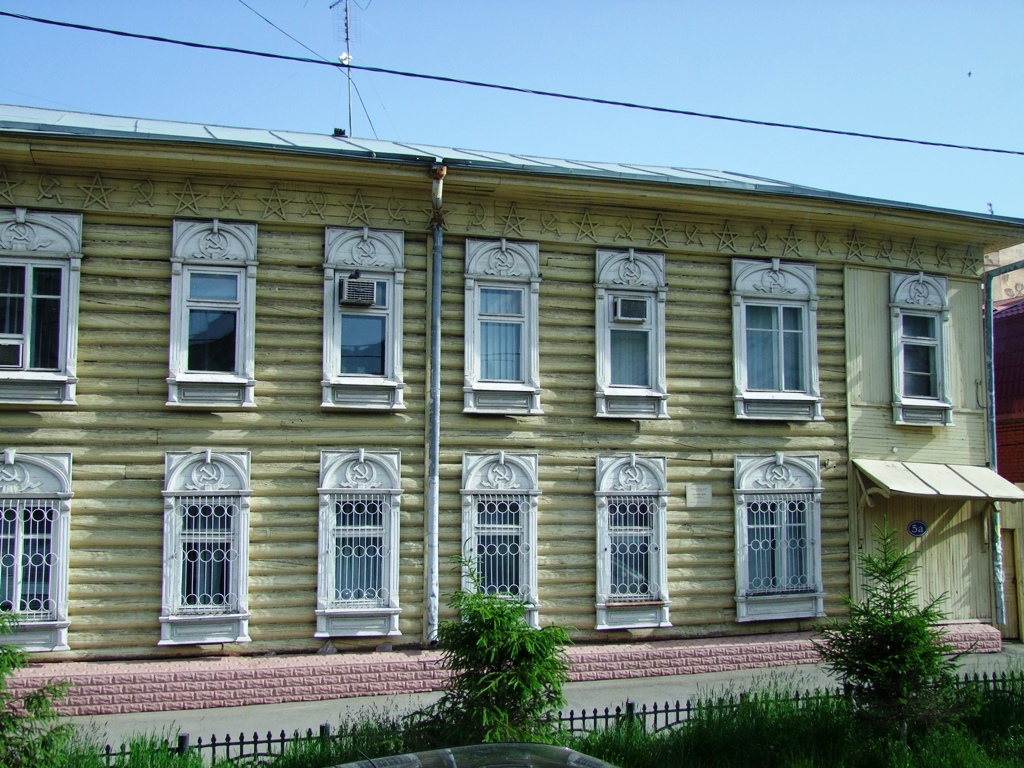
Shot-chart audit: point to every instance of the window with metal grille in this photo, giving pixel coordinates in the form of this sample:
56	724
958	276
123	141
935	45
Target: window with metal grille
359	550
208	554
27	557
777	544
499	543
631	545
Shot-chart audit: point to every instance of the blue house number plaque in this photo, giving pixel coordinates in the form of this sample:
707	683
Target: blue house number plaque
917	528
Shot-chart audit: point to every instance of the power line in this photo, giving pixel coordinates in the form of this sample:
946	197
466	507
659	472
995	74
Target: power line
516	89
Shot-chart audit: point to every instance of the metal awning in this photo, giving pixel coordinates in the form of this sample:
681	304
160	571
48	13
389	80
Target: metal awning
960	481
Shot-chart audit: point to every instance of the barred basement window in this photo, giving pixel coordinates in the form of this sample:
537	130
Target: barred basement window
357	593
499	525
206	548
778	537
34	519
631	568
209	555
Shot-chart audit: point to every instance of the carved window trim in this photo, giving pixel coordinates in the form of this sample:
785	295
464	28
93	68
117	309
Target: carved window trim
924	297
762	485
625	483
779	286
213	248
502	265
496	479
623	279
38	239
202	481
357	478
29	484
375	256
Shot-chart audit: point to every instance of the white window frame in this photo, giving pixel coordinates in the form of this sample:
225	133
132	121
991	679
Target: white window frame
219	478
766	481
49	240
213	247
368	255
631	276
358	477
32	480
502	265
923	296
778	285
628	481
502	478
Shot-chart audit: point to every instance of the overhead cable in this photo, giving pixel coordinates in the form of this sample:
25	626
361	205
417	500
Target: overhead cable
516	89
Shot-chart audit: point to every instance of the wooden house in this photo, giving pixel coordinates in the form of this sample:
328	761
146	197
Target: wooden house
257	389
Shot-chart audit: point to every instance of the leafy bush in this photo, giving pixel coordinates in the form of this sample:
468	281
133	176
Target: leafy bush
31	731
890	653
507	678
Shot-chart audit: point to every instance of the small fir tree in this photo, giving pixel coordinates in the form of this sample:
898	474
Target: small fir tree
506	678
890	653
32	733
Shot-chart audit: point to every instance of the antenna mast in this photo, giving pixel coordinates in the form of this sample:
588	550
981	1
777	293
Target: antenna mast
346	56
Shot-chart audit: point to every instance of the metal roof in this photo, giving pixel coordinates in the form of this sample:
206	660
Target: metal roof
49	122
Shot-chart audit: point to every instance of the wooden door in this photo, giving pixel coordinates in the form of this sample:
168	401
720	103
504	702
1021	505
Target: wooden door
1011	629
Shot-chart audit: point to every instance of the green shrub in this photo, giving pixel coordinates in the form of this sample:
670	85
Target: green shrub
506	678
890	653
31	731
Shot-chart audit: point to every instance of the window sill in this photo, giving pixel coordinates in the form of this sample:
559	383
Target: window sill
632	615
778	406
363	393
37	389
799	605
502	399
210	392
199	630
624	403
922	413
39	636
354	622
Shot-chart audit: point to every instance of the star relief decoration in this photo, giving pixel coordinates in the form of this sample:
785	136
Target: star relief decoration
659	232
791	243
513	221
274	204
188	199
359	211
96	193
726	238
7	186
586	227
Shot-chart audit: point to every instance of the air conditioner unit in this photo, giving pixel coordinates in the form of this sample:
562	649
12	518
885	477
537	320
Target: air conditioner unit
630	310
361	292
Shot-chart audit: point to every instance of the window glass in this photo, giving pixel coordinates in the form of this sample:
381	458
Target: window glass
630	533
211	340
501	351
12	298
777	546
363	344
762	347
207	552
793	348
501	301
919	372
212	286
630	358
498	544
918	326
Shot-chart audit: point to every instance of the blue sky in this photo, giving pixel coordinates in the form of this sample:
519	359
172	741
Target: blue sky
933	70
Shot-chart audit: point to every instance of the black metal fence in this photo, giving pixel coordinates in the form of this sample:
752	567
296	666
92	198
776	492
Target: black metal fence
653	718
